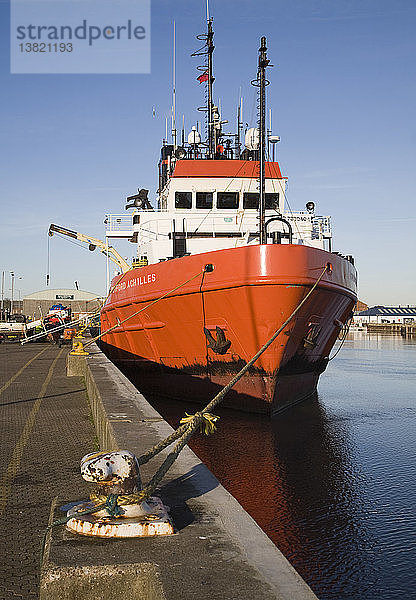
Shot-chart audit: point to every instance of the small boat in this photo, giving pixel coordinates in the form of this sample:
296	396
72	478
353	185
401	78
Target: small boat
222	263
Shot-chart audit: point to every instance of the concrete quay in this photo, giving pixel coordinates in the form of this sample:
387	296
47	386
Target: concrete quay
218	552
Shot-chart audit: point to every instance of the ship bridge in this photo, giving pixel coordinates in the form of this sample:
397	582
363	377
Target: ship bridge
220	192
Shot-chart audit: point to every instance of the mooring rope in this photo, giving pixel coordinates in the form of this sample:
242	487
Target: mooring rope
144	308
189	425
96	313
69	324
344	337
110	504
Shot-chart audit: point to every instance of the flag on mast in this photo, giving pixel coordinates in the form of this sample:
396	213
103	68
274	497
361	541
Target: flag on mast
203	77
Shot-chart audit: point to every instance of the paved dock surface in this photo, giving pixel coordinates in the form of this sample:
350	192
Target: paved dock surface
218	552
45	429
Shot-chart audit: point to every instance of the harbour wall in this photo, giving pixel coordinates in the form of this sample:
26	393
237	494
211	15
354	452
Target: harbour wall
219	550
406	330
403	329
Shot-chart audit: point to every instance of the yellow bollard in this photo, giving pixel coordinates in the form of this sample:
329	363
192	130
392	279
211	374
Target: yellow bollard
79	350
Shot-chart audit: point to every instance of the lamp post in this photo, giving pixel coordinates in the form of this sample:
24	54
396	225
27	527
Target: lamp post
12	289
12	276
20	298
2	295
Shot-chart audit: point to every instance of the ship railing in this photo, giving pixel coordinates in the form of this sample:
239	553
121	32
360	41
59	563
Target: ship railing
121	225
321	227
197	226
119	222
237	224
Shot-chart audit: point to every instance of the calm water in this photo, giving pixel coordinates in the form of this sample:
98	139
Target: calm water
332	481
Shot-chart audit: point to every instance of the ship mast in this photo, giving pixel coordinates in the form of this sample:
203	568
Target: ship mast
210	50
261	83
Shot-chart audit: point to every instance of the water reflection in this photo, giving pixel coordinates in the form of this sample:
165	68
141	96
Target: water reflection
295	477
324	490
332	481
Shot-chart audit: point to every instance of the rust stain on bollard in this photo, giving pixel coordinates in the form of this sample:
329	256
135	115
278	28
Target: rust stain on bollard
117	473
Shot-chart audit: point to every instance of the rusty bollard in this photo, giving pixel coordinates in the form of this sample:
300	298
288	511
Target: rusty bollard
117	477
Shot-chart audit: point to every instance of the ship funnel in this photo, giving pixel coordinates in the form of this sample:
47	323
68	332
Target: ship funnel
252	139
194	137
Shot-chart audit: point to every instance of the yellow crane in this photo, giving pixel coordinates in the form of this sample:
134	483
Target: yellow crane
93	243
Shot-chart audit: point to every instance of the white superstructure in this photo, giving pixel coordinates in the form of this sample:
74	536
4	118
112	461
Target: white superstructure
200	214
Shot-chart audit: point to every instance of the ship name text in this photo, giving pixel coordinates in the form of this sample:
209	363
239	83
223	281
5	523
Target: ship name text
135	281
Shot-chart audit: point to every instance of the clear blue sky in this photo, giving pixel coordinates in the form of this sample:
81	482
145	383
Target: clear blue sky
343	100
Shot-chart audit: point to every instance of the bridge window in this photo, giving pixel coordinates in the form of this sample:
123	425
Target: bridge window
227	200
183	199
251	200
204	199
272	200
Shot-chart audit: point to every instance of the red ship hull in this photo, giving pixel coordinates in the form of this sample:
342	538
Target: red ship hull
190	343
